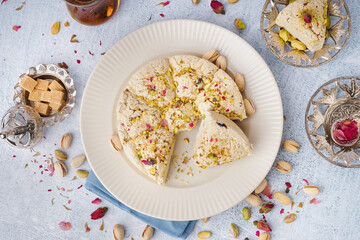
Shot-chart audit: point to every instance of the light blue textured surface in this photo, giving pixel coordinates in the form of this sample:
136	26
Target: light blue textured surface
26	211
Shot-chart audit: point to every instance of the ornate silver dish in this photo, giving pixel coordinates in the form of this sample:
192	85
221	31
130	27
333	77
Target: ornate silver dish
334	101
339	33
50	72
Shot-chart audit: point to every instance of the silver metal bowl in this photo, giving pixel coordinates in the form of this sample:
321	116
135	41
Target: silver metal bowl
334	101
52	73
339	33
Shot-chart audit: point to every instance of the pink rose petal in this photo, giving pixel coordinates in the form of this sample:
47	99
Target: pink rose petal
65	226
162	15
257	233
288	184
97	201
16	28
3	1
282	211
314	201
306	181
267	192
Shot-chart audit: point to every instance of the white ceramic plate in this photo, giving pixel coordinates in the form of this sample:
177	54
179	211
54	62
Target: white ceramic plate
214	190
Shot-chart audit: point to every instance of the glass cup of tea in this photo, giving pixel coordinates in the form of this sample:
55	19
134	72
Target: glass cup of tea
92	12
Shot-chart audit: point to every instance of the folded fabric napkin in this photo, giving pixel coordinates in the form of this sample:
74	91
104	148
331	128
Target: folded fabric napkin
179	229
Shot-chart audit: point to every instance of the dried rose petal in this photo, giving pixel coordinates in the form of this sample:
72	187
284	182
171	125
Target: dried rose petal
91	53
267	191
162	15
257	233
288	184
314	201
262	225
65	226
307	17
16	28
282	211
87	229
163	3
306	181
96	201
345	132
217	7
98	213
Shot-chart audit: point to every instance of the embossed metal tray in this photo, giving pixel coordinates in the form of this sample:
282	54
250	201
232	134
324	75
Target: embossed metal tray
339	33
336	100
53	73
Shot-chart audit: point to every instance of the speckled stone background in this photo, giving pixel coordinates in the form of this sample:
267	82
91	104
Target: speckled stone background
25	202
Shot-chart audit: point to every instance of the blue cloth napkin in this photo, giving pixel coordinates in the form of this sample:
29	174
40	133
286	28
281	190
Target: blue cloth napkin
179	229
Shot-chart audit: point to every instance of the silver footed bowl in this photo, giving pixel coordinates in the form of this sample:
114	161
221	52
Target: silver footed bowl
336	100
338	35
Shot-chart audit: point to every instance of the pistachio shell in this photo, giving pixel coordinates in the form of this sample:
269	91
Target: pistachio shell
264	236
66	141
60	168
211	55
82	173
249	107
283	166
115	142
118	232
311	190
204	235
234	230
78	161
282	198
291	146
221	62
195	2
261	186
240	81
147	233
60	155
254	200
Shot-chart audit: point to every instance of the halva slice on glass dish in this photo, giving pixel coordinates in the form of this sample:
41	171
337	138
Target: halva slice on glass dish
220	141
306	21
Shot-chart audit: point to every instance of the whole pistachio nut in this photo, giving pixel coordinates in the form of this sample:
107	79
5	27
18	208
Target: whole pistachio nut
221	62
60	168
264	236
147	233
78	161
60	155
282	198
246	213
298	45
195	2
204	235
66	141
262	225
266	207
283	166
261	186
234	230
205	219
118	232
82	173
291	146
311	190
285	35
290	218
211	55
254	200
328	21
240	81
249	107
115	142
239	24
233	1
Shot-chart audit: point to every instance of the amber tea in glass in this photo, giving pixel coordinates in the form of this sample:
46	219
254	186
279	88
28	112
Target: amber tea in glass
92	12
